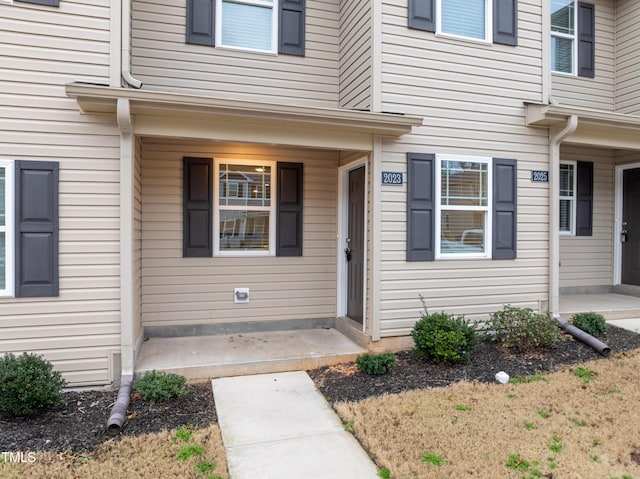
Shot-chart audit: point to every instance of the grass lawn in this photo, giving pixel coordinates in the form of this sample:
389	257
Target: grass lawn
183	453
581	422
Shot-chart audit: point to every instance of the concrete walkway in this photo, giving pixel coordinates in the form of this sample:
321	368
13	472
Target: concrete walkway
278	426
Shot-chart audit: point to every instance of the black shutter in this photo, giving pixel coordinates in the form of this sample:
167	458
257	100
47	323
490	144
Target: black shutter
292	27
200	14
584	198
586	40
420	206
36	190
505	198
197	231
505	22
289	209
50	3
422	15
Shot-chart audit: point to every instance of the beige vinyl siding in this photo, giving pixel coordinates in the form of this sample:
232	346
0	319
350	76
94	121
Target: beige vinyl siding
355	54
595	92
163	61
471	96
44	48
588	260
137	243
177	290
628	57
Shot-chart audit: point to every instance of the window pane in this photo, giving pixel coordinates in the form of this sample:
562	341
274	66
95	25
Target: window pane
246	26
464	183
3	253
244	230
464	17
562	54
566	180
562	16
566	217
2	199
462	231
244	185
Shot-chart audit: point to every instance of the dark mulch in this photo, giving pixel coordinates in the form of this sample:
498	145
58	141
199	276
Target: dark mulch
79	424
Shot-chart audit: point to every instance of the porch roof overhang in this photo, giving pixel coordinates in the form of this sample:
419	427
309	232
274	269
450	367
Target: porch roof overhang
177	115
595	127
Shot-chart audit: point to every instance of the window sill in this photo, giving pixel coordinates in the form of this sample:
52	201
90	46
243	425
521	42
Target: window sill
476	41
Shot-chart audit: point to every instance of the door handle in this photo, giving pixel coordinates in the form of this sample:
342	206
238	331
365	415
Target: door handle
624	235
347	250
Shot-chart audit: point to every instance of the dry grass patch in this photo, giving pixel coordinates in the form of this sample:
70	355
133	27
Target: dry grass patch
197	454
580	422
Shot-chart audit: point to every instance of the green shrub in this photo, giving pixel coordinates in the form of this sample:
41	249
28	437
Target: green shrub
28	385
443	338
157	386
522	329
592	323
376	363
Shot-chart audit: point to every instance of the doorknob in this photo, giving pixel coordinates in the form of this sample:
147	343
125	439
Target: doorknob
347	250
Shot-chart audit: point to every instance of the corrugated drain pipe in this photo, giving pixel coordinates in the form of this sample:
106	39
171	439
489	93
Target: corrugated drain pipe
580	335
119	411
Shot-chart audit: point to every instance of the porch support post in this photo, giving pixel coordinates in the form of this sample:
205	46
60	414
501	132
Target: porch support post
127	298
556	138
375	240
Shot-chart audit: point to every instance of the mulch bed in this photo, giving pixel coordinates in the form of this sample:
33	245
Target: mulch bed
79	424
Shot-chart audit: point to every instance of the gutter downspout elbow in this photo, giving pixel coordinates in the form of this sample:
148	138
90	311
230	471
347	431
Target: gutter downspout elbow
556	138
125	57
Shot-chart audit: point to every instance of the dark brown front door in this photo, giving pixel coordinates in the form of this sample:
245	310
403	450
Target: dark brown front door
631	227
355	245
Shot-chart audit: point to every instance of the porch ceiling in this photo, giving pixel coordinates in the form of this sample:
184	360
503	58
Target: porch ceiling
595	127
190	116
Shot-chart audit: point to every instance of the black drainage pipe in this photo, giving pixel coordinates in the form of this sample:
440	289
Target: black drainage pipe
580	335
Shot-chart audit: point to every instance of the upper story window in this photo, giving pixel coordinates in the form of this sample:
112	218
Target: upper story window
483	20
465	18
247	24
573	38
464	203
563	36
265	26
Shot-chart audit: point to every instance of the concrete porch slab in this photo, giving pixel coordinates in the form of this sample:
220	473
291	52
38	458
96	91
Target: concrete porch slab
205	357
280	426
611	306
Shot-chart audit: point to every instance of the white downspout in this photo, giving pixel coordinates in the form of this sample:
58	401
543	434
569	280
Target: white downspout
127	299
126	46
556	138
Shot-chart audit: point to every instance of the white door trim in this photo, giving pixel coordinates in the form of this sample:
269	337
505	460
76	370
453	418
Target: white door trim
617	223
343	216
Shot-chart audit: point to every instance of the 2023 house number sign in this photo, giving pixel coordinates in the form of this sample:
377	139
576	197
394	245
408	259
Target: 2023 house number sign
391	178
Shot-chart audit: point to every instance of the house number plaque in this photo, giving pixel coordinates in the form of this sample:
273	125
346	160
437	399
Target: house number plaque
539	176
391	178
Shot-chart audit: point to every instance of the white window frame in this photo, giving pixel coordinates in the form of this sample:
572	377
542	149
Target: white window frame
574	43
488	24
488	209
9	200
571	198
6	2
217	208
273	4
